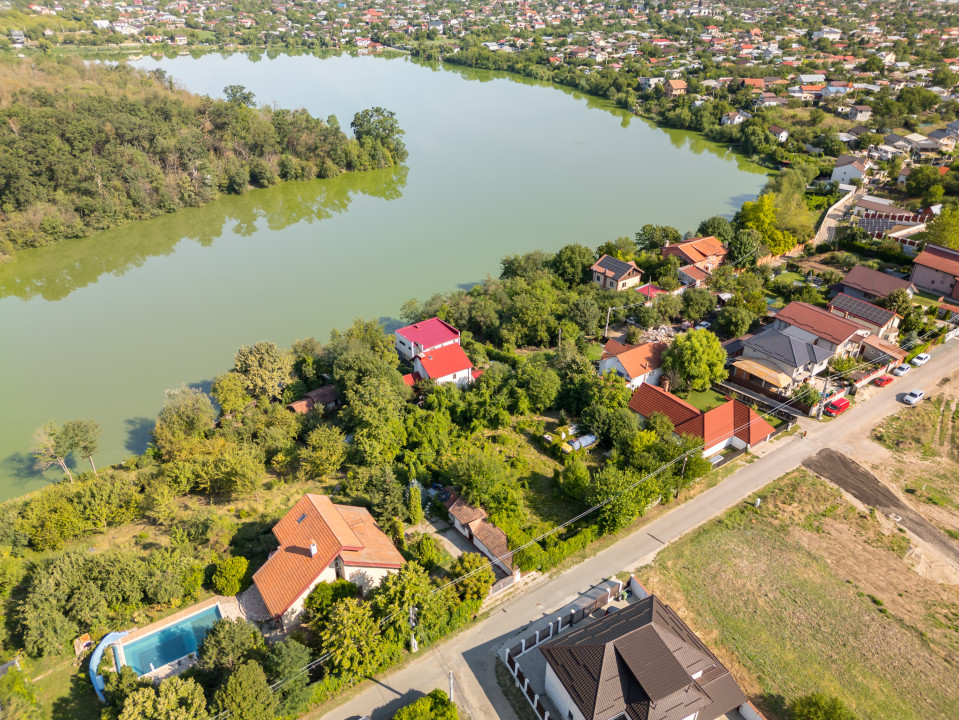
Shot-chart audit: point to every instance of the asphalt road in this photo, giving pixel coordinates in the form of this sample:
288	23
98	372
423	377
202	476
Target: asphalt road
471	654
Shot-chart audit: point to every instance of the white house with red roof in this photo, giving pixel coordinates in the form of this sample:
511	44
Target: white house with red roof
421	337
322	542
445	364
636	364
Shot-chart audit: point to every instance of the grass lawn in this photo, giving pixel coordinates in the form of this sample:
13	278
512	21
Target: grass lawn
916	429
806	594
926	299
705	400
790	275
594	351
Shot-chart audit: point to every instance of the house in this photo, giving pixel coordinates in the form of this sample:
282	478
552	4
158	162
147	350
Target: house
425	336
868	284
774	359
875	349
732	118
641	662
326	397
615	274
879	321
674	88
445	364
819	327
322	542
634	363
732	424
648	83
692	276
906	171
471	523
849	168
936	268
706	253
859	113
945	139
781	134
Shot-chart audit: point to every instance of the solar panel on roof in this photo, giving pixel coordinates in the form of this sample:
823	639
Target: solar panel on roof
862	309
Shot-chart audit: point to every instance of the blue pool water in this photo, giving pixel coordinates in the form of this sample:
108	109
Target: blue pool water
171	643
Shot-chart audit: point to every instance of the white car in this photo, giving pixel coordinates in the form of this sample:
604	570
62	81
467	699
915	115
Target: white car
920	359
704	325
901	370
914	397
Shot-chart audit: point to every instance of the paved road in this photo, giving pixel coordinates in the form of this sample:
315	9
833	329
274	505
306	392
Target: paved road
471	654
834	216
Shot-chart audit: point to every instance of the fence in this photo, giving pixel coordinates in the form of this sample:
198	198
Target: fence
502	585
770	405
570	615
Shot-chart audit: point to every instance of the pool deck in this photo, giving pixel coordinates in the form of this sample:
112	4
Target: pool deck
229	608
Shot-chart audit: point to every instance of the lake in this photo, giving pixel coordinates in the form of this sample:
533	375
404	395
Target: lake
99	327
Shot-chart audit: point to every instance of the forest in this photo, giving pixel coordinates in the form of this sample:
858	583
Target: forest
85	147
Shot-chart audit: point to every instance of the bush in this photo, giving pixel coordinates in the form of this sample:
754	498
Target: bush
425	550
228	576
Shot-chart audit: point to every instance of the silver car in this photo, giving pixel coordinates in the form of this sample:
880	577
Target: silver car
913	397
920	359
901	370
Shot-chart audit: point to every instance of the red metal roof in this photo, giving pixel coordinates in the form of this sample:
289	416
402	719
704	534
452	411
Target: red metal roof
819	322
444	361
429	333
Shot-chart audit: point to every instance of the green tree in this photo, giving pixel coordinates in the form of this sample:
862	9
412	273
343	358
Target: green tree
571	264
944	229
818	706
410	587
761	215
324	452
435	706
414	504
265	368
921	178
717	226
246	694
899	301
626	504
735	321
324	595
387	495
473	576
352	638
697	304
655	237
698	357
744	248
187	414
229	390
52	445
227	644
173	699
18	697
85	439
228	575
425	550
284	663
872	64
238	95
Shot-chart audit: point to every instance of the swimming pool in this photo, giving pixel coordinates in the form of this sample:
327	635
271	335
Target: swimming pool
170	643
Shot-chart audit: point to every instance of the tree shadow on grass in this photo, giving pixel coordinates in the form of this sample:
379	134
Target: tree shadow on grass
80	701
255	541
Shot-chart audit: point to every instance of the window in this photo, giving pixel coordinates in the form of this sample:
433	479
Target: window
301	518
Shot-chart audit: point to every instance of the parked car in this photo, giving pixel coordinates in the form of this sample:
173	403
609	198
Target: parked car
704	325
913	397
836	407
901	370
920	359
884	380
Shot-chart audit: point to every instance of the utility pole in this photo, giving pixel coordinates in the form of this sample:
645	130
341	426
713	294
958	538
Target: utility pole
822	400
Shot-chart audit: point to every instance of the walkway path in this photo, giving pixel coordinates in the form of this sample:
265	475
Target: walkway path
471	654
834	215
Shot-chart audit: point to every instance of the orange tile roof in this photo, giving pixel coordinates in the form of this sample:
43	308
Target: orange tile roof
336	530
614	348
939	258
697	249
642	359
647	399
819	322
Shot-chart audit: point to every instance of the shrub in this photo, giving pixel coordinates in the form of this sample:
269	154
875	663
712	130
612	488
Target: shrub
228	576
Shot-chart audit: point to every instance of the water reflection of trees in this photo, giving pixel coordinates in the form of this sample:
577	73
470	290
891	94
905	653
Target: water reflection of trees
54	272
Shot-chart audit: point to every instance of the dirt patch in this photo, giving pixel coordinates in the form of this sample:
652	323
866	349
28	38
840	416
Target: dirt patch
867	489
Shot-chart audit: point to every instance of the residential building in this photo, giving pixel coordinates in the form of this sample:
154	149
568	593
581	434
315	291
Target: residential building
819	327
732	424
692	276
326	397
445	364
636	364
674	88
471	523
780	134
879	321
424	336
849	168
868	284
322	542
615	274
936	269
641	662
859	113
777	360
706	253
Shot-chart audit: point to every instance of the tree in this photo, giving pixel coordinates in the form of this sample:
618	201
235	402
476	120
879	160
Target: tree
387	495
408	588
655	237
324	453
611	482
239	95
84	437
744	248
717	226
571	263
376	127
265	368
761	215
284	663
246	694
872	64
473	576
414	504
698	357
818	706
735	321
18	696
52	445
921	178
173	699
435	706
226	644
228	575
944	230
697	304
324	595
425	550
229	390
352	638
187	414
899	301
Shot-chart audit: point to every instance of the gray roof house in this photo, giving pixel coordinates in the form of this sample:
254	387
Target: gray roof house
639	663
772	359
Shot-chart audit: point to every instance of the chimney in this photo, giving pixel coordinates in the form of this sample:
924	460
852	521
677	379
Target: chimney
312	548
665	384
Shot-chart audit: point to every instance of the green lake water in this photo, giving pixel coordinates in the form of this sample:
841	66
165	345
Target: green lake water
99	327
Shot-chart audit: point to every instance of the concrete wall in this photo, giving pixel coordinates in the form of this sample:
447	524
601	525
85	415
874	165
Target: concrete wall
366	577
561	699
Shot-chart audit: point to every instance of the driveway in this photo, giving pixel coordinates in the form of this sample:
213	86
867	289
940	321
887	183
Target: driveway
470	654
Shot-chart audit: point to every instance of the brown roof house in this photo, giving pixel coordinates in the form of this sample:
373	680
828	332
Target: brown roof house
327	397
936	268
868	284
674	88
471	523
879	321
706	253
820	327
639	663
636	364
322	542
615	274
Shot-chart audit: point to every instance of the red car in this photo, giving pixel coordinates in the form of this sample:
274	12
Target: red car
884	380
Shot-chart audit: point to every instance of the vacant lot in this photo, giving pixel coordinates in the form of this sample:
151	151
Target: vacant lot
806	593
